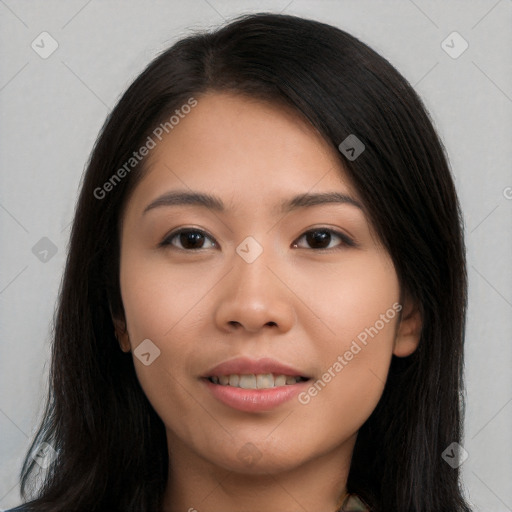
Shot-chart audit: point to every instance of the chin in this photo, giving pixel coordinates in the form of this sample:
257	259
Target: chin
253	458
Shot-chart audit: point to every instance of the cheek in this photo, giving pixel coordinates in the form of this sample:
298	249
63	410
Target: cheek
358	308
349	298
166	306
158	297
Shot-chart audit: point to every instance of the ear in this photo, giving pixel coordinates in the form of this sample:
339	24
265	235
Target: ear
122	335
408	330
121	332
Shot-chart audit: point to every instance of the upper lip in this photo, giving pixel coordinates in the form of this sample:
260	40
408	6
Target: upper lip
245	366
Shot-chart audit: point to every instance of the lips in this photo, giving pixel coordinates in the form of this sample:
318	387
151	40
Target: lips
254	386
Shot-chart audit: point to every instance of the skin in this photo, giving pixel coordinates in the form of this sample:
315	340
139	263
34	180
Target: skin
301	305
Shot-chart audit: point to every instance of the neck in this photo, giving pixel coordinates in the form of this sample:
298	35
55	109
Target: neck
199	485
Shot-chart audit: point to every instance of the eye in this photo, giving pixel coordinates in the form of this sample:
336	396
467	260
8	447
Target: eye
321	238
195	239
188	238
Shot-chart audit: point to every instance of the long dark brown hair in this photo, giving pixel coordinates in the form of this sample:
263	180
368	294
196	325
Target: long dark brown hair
111	445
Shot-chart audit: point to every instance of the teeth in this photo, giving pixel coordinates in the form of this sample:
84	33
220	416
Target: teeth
280	380
247	382
251	381
265	381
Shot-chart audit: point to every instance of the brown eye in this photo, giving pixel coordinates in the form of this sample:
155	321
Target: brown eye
321	238
188	239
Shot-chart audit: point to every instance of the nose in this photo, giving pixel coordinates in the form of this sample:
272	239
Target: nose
255	296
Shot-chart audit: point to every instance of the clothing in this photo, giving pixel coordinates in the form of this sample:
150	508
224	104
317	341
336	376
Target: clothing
353	503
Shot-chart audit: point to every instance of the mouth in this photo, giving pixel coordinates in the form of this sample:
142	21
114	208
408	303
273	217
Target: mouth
256	381
255	393
254	385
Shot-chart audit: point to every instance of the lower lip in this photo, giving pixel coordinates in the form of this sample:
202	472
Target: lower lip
255	400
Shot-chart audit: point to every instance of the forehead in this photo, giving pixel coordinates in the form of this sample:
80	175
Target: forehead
245	150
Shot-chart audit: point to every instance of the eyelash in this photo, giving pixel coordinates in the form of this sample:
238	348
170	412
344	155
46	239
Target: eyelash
345	240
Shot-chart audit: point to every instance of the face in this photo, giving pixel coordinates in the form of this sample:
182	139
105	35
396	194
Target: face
303	288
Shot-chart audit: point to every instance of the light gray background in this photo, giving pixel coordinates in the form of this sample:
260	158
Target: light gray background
52	110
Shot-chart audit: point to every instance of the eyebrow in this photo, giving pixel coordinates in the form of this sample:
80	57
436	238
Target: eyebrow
179	198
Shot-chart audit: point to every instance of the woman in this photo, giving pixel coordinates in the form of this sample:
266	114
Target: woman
264	300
